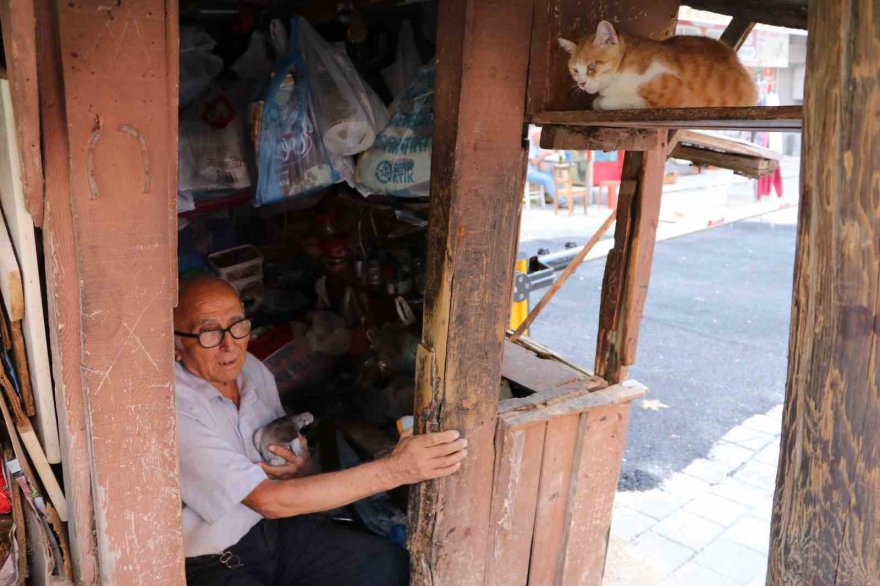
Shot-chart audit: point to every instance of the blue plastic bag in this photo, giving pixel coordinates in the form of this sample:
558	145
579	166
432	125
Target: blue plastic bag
292	158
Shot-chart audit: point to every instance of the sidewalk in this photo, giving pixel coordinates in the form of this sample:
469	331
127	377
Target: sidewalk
708	525
693	203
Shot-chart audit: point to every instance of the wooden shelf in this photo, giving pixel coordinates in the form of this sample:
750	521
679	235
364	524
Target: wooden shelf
781	118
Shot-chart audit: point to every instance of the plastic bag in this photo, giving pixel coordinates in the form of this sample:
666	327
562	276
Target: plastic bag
292	158
349	112
400	74
254	63
198	66
399	162
212	144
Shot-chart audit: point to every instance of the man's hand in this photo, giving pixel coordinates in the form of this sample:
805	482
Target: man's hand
294	467
425	457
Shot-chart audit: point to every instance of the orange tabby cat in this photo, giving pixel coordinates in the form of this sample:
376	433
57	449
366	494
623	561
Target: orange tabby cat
681	72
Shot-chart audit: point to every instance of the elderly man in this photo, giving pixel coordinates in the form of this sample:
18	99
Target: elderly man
246	523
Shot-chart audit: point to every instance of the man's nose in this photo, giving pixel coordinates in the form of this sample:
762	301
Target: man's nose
228	342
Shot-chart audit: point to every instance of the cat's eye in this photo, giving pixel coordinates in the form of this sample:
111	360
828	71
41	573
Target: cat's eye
591	67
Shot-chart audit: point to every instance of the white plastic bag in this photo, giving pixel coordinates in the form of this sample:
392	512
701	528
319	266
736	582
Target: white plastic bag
198	65
349	113
400	74
254	64
212	143
399	162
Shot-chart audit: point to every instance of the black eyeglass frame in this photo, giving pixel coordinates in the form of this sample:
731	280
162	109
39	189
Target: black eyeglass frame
222	334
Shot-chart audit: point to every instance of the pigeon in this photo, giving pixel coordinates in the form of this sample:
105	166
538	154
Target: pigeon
282	431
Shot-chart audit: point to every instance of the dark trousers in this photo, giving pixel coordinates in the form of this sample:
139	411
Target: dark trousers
303	551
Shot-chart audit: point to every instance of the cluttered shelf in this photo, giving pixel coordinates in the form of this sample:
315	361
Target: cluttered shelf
780	118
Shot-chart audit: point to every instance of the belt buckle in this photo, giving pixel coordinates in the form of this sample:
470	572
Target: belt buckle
230	560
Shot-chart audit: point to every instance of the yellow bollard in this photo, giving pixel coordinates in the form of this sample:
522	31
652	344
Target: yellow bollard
520	306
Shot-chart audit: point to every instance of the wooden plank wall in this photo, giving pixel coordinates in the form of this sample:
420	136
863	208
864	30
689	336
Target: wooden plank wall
556	474
826	517
478	168
549	80
63	298
116	60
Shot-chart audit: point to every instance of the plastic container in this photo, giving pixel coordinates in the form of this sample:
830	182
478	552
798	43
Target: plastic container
239	266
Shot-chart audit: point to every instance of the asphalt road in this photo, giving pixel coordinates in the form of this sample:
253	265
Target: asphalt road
713	343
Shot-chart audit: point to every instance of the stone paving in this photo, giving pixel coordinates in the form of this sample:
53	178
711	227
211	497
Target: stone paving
708	525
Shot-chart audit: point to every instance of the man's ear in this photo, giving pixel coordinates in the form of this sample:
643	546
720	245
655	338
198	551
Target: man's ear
567	45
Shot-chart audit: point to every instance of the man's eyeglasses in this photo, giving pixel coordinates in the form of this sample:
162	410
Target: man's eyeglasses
213	338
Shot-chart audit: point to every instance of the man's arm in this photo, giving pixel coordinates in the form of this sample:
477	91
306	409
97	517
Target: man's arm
415	459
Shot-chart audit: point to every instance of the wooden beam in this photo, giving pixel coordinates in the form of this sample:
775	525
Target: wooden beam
62	296
573	266
116	61
776	12
628	267
826	522
19	43
476	194
783	118
737	31
597	138
753	167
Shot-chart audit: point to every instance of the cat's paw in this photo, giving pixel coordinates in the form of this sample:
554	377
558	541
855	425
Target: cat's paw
601	103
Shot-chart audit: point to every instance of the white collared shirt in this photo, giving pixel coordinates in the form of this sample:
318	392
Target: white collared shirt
218	458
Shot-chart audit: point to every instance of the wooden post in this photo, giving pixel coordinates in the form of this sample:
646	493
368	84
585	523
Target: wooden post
116	68
628	267
63	297
826	520
477	176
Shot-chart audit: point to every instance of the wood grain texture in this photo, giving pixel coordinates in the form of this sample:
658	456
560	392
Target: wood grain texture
10	278
782	118
826	519
19	44
628	267
21	232
20	536
598	138
549	81
598	455
115	64
518	455
748	166
63	298
557	465
476	194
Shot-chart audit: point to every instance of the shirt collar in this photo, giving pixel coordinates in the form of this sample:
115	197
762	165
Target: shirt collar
246	387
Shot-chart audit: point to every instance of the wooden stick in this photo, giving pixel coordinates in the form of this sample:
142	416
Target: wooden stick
19	356
569	271
737	32
18	518
34	450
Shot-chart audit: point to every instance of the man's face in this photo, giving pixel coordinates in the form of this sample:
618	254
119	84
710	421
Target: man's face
210	305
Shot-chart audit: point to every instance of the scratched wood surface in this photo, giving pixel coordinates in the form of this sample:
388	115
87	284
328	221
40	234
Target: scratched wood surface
518	456
628	267
598	456
115	64
826	519
62	296
476	191
19	44
549	81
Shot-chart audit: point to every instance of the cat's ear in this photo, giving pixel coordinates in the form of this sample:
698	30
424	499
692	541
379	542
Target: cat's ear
567	45
605	34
